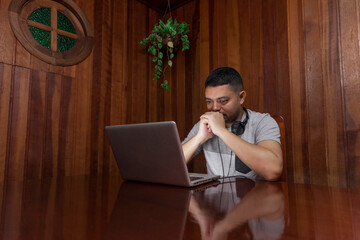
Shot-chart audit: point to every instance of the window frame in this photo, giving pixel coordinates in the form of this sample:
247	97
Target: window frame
19	12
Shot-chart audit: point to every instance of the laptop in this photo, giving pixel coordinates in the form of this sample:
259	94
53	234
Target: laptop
152	152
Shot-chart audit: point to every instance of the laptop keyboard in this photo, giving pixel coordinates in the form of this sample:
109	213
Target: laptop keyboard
195	178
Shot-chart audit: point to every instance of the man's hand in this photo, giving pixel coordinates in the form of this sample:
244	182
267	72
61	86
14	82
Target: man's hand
215	121
204	132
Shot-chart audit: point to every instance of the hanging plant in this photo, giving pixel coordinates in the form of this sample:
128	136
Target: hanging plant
164	41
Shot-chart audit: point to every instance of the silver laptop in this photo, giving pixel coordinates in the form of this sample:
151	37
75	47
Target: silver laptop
152	152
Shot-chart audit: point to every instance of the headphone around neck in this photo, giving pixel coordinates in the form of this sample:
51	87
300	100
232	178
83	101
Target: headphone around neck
237	128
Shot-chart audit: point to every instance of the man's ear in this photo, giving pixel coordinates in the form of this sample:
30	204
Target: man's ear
242	96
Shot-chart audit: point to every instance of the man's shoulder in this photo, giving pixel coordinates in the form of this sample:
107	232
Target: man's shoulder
259	117
263	126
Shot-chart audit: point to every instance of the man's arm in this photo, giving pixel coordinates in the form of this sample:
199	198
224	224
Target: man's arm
190	147
264	201
265	158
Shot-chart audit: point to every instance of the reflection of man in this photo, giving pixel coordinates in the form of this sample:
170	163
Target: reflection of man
224	208
235	140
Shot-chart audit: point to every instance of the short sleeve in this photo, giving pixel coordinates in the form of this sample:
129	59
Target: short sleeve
267	129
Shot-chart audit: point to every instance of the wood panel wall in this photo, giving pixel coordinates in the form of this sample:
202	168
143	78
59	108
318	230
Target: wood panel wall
324	77
298	59
250	36
52	118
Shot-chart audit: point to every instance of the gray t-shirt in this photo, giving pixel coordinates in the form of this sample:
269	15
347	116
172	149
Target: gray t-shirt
219	158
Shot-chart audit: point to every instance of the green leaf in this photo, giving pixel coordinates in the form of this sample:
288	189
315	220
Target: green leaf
185	48
170	44
157	30
165	85
170	63
160	55
144	41
159	45
152	50
159	39
152	37
154	59
184	38
159	62
171	56
185	45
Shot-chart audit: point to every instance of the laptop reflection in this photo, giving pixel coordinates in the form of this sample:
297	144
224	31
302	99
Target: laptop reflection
149	211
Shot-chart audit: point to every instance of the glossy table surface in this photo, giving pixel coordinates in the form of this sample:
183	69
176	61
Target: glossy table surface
107	208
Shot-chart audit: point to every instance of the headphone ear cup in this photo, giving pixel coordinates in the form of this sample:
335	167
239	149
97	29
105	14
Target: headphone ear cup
241	128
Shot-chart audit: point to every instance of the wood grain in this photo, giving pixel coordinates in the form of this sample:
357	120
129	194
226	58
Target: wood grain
5	98
51	128
67	127
36	125
297	91
350	56
152	86
298	59
335	140
18	124
6	40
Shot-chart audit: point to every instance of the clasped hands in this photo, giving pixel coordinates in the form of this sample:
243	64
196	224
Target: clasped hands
211	123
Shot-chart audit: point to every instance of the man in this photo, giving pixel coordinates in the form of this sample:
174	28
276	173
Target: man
236	141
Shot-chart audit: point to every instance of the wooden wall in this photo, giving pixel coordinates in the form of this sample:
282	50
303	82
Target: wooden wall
324	78
52	118
298	58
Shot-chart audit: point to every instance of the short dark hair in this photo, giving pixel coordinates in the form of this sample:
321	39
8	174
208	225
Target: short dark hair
223	76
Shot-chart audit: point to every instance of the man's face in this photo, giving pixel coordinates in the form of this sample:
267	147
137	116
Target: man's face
224	100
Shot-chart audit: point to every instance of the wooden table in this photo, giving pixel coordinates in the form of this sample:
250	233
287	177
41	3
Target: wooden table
107	208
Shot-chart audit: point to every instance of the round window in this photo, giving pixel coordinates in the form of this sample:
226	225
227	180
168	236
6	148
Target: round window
57	32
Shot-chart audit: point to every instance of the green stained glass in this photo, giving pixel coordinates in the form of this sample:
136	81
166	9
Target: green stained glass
64	43
64	23
41	15
41	36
